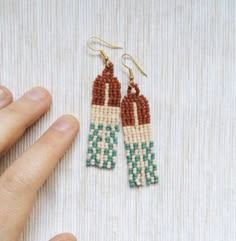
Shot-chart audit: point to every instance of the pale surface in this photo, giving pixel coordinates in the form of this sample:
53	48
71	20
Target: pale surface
188	49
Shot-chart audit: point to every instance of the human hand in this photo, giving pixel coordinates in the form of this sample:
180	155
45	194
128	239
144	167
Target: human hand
21	181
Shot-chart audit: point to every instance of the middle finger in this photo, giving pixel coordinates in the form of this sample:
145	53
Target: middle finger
16	117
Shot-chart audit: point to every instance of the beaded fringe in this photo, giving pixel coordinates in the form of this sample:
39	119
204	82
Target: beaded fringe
135	114
104	127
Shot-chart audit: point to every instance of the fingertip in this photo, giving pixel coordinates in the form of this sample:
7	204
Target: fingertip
74	120
65	123
39	94
64	237
46	92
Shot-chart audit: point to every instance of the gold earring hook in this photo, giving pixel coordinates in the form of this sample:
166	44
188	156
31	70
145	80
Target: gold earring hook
131	75
95	39
101	41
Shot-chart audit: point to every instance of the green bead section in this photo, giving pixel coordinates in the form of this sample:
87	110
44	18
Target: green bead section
151	177
134	159
103	142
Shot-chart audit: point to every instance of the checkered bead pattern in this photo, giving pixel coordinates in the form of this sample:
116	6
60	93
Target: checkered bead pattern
135	114
104	126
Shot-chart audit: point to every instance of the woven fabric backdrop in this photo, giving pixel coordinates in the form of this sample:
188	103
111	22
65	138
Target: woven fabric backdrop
188	49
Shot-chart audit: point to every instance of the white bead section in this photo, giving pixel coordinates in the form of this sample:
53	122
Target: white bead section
137	134
105	114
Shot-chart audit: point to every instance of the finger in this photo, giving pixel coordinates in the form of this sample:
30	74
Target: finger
18	185
5	97
30	171
16	117
64	237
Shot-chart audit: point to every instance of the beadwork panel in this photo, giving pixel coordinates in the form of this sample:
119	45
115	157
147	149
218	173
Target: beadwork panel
139	144
188	50
105	120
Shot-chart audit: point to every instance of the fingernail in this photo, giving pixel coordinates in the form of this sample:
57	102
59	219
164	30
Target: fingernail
65	123
37	94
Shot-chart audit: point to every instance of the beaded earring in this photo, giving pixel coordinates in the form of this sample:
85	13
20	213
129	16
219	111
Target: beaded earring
139	145
105	114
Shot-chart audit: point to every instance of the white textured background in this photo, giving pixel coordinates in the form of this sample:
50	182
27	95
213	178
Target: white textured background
188	49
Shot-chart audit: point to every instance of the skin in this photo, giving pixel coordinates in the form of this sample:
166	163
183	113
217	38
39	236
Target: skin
21	181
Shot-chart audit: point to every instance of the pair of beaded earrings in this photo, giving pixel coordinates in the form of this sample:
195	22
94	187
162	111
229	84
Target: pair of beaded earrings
105	118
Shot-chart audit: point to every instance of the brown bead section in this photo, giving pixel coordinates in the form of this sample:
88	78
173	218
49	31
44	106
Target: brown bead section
127	107
99	87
